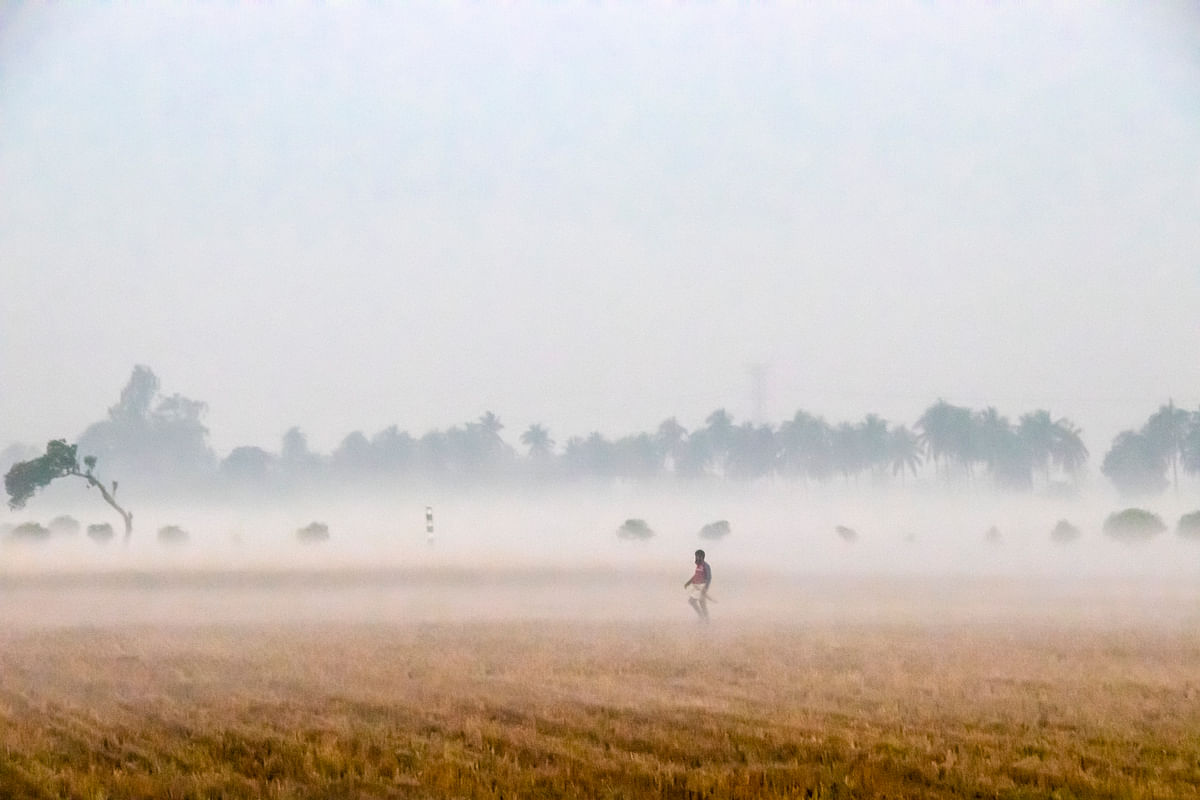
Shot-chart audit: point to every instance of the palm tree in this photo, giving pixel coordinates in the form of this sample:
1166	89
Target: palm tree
669	439
1038	431
904	451
847	449
695	455
482	449
753	452
946	434
1166	431
1068	451
873	442
719	433
636	456
805	444
537	439
991	438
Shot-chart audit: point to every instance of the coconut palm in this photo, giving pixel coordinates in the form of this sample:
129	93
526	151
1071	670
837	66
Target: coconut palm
754	451
946	433
848	454
873	443
669	440
718	429
537	438
1038	431
1068	451
636	456
1166	431
805	446
904	451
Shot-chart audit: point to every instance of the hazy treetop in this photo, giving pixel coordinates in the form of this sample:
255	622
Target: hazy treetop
596	217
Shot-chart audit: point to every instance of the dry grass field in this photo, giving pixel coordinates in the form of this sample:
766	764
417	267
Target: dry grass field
490	708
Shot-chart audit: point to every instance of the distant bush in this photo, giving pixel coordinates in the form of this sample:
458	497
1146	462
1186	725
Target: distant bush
172	534
30	532
635	529
992	535
100	532
64	524
313	532
1064	532
1133	525
846	534
1189	525
715	530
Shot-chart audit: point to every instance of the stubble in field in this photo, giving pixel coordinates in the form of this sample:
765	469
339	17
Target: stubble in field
600	709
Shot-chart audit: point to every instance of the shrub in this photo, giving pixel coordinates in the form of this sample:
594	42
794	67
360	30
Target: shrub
715	530
1189	525
100	532
30	532
64	524
846	534
635	529
1064	532
172	534
992	535
1133	525
313	532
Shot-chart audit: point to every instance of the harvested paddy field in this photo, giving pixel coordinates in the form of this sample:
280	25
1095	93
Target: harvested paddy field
972	689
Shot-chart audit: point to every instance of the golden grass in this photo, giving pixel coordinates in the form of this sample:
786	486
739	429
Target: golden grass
599	710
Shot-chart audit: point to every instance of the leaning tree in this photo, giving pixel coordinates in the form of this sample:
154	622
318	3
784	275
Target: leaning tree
60	460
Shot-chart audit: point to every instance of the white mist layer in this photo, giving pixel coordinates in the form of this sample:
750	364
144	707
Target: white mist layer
778	530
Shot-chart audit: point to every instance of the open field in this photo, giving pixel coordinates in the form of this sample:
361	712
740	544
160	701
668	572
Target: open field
540	684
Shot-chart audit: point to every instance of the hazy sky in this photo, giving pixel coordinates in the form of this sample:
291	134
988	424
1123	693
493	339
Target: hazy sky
596	216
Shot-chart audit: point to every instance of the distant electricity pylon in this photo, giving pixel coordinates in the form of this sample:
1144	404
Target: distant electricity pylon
429	524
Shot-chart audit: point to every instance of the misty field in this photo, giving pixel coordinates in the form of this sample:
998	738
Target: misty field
1012	695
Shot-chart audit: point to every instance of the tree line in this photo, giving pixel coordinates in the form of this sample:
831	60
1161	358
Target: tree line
162	440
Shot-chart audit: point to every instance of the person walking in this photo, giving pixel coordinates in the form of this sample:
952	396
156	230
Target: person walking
701	578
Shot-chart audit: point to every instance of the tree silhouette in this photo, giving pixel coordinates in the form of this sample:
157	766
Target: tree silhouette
873	444
946	434
719	433
1068	451
394	450
1191	445
60	460
150	434
1135	465
537	439
805	444
353	456
248	465
753	451
478	447
847	449
904	451
636	456
670	438
1038	431
1166	431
